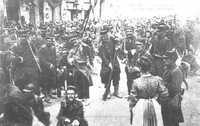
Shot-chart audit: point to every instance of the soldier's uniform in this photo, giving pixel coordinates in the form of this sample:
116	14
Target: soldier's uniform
160	44
82	76
47	59
24	68
108	54
131	69
129	46
173	78
68	73
72	110
18	108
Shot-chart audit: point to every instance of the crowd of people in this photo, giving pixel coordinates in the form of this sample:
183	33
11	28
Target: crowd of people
44	60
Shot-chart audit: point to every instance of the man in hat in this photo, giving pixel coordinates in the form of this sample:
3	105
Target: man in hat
129	44
71	110
110	69
173	78
131	69
160	44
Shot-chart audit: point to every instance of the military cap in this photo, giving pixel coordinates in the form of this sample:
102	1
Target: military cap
163	27
71	87
138	43
154	26
49	38
129	35
104	29
172	54
145	58
29	88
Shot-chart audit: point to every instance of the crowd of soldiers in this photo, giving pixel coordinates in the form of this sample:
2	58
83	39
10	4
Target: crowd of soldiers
43	60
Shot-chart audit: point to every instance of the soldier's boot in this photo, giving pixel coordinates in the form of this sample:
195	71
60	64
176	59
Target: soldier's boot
58	92
129	84
106	94
116	91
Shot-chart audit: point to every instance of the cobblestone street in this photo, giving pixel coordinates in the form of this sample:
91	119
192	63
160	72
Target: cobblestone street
114	112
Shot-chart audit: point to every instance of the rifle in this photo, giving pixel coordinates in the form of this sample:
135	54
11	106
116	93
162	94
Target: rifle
131	116
86	21
34	57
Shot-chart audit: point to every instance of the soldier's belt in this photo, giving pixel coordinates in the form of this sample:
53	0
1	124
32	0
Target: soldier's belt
82	63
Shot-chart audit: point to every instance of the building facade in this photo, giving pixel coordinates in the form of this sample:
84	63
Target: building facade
37	11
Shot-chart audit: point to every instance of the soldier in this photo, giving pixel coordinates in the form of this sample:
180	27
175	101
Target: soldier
83	61
173	78
129	44
110	69
19	105
25	66
47	58
160	44
131	69
71	111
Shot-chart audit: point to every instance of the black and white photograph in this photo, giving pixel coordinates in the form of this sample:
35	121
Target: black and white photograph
99	63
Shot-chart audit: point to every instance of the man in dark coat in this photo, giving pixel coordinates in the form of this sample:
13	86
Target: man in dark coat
18	106
25	69
173	78
129	46
110	63
160	44
47	58
131	69
71	110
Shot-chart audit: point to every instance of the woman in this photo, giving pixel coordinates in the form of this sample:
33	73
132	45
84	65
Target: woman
147	92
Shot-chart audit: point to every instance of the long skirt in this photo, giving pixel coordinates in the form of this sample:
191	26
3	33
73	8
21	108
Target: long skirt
147	112
82	85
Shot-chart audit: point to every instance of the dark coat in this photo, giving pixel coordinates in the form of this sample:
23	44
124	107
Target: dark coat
27	71
47	56
173	79
73	111
129	43
82	72
160	45
19	106
106	53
